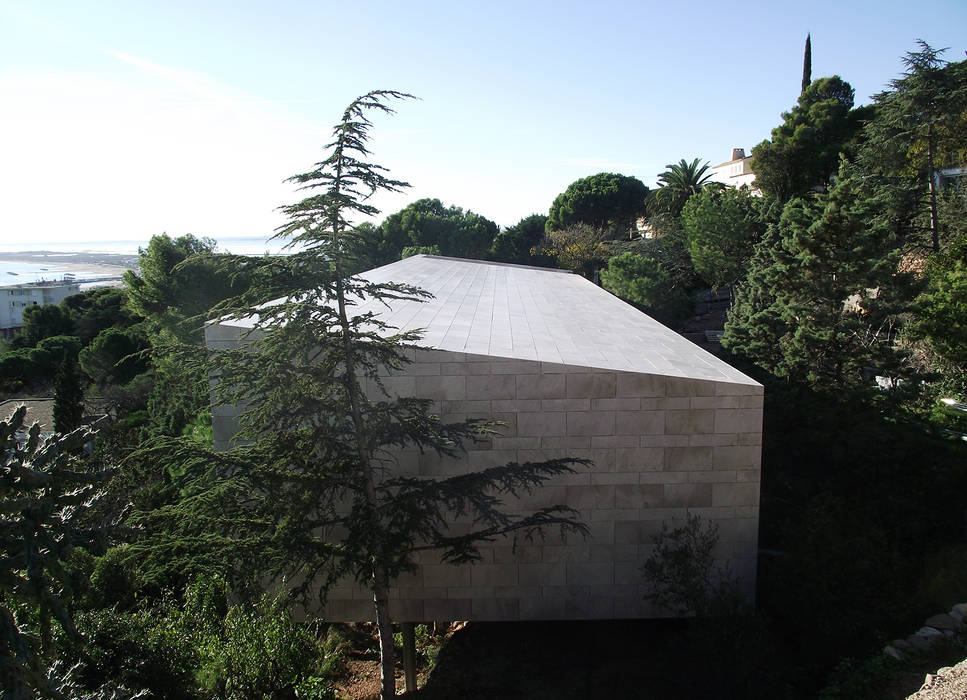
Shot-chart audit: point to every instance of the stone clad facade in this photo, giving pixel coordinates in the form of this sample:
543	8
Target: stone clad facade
682	437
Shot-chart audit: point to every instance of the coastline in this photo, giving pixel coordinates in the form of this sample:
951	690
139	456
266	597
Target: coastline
33	266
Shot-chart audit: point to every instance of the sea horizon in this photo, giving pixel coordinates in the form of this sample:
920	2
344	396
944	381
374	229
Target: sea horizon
240	245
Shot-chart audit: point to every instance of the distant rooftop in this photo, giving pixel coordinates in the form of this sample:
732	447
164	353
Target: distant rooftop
531	313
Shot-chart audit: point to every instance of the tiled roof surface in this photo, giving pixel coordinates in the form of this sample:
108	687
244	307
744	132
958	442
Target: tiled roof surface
532	313
540	314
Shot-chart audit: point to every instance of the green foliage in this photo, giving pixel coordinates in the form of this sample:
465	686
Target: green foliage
246	650
807	63
37	365
517	243
920	126
178	281
644	282
115	356
97	310
942	308
823	294
579	247
410	251
681	181
805	149
143	649
604	201
45	492
428	224
203	647
41	322
68	395
681	574
721	228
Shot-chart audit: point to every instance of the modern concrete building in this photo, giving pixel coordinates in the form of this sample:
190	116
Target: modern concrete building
571	371
15	298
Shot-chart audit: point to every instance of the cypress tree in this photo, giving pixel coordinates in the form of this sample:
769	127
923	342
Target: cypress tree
68	396
807	64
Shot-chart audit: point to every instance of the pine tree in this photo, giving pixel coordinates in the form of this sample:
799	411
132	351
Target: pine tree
920	126
822	299
68	395
308	494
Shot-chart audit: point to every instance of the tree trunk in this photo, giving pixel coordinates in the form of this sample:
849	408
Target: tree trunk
932	184
384	625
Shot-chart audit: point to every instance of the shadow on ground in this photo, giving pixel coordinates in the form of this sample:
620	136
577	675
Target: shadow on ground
560	660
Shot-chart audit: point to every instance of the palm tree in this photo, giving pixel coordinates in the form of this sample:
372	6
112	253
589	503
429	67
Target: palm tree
678	183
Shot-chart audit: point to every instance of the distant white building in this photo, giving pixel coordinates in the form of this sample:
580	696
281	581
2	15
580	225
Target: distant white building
735	172
17	297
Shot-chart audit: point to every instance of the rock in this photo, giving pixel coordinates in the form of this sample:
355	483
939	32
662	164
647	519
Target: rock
901	644
943	622
928	632
921	642
893	652
959	609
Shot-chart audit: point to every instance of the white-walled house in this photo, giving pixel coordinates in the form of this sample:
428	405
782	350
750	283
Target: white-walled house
14	299
734	172
571	371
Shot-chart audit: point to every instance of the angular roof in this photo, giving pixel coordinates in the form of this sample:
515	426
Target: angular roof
530	313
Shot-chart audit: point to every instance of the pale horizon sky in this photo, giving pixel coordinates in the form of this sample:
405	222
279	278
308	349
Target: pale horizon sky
126	119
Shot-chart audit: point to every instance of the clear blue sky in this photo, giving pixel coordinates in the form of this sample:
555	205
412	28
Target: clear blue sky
125	119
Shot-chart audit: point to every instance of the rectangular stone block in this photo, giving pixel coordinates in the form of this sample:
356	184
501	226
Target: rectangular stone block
640	385
639	423
565	405
541	424
737	457
689	422
740	420
406	610
688	495
735	494
446	575
541	386
731	389
613	441
689	458
639	458
491	386
445	609
679	386
639	496
591	386
585	497
541	574
495	609
590	422
515	367
518	405
441	388
493	574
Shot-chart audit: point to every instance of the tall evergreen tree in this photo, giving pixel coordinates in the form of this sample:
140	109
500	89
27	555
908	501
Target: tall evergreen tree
807	64
805	149
308	494
68	395
820	304
920	126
